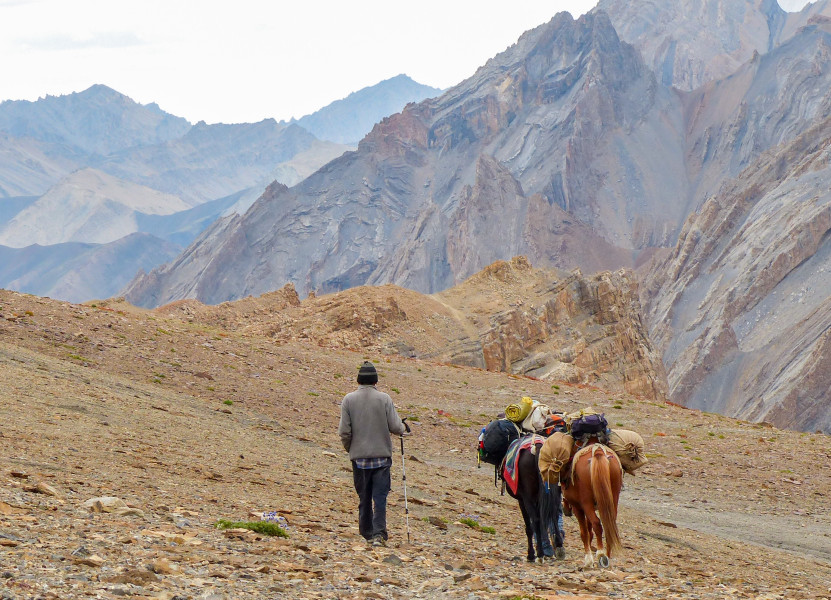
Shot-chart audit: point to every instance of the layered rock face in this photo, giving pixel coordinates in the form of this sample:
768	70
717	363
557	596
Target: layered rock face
542	150
691	42
741	307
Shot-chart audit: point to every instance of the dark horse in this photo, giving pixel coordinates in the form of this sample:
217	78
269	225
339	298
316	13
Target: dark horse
594	485
540	508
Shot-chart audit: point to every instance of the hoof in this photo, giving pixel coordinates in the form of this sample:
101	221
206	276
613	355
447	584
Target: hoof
588	562
603	561
560	553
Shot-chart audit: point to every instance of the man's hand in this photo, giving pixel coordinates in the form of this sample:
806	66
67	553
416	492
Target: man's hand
406	426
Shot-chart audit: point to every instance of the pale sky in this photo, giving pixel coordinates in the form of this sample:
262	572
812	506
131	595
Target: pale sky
246	60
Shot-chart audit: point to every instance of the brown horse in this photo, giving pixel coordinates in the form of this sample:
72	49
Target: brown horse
595	483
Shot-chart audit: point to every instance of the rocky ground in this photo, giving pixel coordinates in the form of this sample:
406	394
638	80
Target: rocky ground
189	422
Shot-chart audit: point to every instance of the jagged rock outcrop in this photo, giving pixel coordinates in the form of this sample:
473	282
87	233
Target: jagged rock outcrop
509	317
740	308
547	138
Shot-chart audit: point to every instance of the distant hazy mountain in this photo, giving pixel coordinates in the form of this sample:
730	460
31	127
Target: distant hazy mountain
213	161
95	166
348	120
29	167
86	206
78	272
98	120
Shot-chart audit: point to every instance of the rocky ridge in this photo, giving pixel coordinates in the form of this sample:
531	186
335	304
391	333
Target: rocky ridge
187	423
510	317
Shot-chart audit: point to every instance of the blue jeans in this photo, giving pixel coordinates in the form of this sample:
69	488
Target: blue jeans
372	486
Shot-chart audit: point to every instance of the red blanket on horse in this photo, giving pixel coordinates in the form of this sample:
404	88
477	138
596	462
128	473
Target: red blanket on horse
509	472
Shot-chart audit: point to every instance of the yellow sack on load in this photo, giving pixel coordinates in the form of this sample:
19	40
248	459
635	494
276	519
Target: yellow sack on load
554	454
628	445
518	412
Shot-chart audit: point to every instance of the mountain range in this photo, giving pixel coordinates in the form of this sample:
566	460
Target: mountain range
94	167
587	144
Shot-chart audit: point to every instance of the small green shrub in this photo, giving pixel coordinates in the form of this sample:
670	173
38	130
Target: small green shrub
474	524
395	390
228	402
263	527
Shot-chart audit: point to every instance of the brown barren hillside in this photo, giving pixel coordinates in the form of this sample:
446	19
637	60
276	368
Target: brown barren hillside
546	323
189	421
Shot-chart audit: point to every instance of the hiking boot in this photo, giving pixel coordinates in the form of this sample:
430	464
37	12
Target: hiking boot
378	540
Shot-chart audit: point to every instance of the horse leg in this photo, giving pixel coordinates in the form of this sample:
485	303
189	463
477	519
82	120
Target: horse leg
554	515
540	535
529	532
597	528
585	535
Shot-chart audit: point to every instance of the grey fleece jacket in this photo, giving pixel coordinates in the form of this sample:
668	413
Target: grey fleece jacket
367	418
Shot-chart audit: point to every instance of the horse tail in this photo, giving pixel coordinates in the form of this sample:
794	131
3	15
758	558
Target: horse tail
602	490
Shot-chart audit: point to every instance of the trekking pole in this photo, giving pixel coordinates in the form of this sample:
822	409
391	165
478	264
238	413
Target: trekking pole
404	479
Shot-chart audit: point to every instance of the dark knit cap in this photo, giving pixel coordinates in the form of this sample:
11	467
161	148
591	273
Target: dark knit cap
367	375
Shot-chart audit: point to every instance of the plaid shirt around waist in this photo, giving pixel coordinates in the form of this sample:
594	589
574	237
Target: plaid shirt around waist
373	463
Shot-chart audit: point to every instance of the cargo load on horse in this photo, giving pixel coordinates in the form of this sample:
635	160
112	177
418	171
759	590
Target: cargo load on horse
629	447
495	439
554	455
529	414
587	423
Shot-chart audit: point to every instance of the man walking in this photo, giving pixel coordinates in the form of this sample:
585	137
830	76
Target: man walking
367	419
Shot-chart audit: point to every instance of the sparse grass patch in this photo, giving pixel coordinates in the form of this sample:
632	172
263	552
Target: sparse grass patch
395	390
263	527
315	394
228	402
473	523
